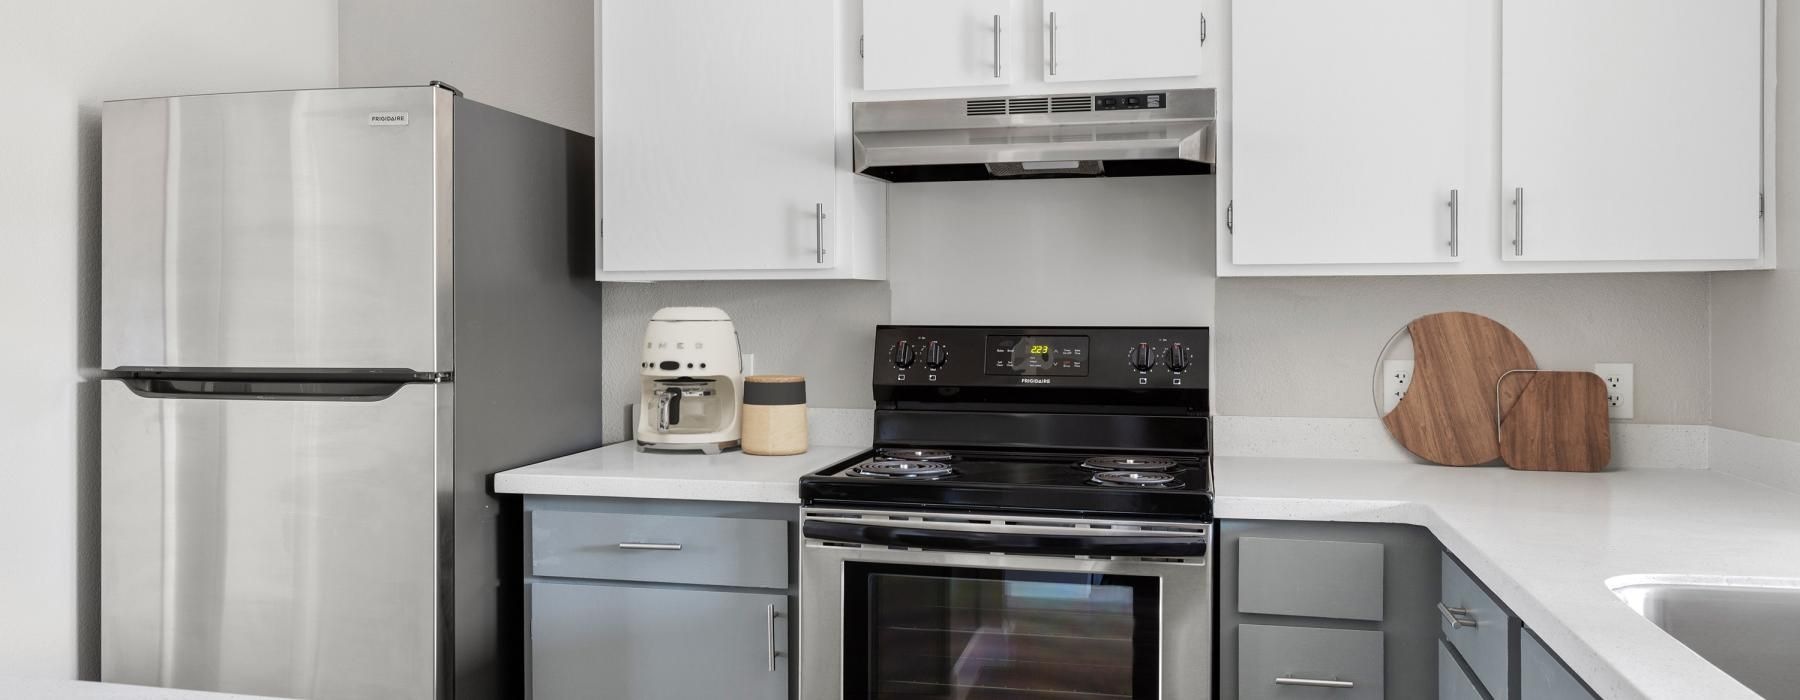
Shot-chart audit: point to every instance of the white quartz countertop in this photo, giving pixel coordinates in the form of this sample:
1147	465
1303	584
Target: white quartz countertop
1547	544
620	471
84	690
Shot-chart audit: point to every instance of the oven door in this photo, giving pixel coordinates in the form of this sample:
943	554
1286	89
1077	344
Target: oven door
914	605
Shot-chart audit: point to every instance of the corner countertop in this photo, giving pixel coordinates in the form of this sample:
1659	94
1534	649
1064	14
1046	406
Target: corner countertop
1547	544
85	690
619	470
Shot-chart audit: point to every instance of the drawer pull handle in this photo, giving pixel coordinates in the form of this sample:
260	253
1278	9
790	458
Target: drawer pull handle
1315	683
655	546
1457	617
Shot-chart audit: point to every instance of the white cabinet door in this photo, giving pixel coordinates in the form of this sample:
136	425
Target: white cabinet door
1121	39
1633	127
718	122
913	44
1350	131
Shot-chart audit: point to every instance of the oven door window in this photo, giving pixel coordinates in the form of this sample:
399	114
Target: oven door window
975	634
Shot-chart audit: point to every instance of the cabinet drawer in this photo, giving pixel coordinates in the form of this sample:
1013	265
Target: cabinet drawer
1454	680
1310	578
664	548
590	641
1484	632
1543	677
1279	663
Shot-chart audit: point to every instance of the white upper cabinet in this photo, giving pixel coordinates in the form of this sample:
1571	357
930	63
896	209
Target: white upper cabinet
722	123
1350	133
911	44
1633	128
1637	132
1121	39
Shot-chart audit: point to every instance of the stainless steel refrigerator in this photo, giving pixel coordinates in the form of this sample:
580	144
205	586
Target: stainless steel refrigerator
327	317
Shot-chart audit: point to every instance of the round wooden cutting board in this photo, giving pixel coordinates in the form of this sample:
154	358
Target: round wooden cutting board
1447	414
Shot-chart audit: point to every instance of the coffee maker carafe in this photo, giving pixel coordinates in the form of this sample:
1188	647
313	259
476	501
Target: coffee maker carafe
692	383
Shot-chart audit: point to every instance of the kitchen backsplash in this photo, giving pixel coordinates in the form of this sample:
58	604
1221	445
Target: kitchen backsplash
1139	252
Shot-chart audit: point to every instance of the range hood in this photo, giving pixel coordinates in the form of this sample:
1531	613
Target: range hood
1119	134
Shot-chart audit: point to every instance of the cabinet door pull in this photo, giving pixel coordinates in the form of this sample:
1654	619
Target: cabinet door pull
654	546
819	231
1457	617
996	46
773	615
1053	43
1314	683
1519	222
1455	224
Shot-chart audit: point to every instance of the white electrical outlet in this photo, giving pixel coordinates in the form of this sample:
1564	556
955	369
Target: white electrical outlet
1619	396
749	367
1396	378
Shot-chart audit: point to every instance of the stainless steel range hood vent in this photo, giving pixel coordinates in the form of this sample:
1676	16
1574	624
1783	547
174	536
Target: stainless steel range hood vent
1122	134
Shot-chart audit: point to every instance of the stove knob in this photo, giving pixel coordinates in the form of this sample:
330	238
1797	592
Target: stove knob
935	355
1141	359
1179	358
903	355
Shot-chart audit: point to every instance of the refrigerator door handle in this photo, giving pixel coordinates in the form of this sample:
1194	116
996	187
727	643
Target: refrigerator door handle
229	388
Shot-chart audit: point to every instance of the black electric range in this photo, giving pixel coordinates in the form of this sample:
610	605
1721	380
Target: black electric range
1078	421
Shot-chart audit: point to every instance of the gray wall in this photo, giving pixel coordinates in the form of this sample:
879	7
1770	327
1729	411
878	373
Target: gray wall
1307	346
69	56
533	57
1756	315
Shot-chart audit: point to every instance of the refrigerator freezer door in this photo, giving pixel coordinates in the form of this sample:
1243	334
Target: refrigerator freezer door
301	229
286	548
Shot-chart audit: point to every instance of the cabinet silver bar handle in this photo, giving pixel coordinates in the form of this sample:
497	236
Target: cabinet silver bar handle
1053	43
657	546
1457	617
819	230
1455	224
1314	683
773	616
1519	221
996	46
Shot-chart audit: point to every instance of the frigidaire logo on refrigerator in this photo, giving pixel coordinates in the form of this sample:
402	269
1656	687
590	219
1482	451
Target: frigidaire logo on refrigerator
390	118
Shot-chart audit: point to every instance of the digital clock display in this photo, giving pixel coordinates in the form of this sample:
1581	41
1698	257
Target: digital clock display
1037	355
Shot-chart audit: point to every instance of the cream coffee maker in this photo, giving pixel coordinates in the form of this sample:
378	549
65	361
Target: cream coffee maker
693	381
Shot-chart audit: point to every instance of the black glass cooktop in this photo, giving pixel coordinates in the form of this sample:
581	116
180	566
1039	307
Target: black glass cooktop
1074	483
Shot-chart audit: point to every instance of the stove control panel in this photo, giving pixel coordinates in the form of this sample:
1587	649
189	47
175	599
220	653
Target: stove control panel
1130	358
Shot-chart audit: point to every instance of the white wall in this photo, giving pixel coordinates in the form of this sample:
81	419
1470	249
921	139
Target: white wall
1126	251
1756	315
1306	346
533	57
61	58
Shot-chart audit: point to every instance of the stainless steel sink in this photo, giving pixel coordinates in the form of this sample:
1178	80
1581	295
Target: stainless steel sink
1749	628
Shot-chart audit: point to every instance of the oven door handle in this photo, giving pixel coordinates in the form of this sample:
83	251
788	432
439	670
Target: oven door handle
1099	544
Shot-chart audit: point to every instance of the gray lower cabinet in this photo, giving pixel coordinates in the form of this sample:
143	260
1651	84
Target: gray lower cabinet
1283	663
632	599
1503	660
1455	681
1479	629
1326	610
632	643
1542	676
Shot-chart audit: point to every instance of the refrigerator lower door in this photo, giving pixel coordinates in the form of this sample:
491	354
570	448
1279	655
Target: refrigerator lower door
305	229
274	547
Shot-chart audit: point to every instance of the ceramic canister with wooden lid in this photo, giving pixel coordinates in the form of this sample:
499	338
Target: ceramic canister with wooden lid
774	420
